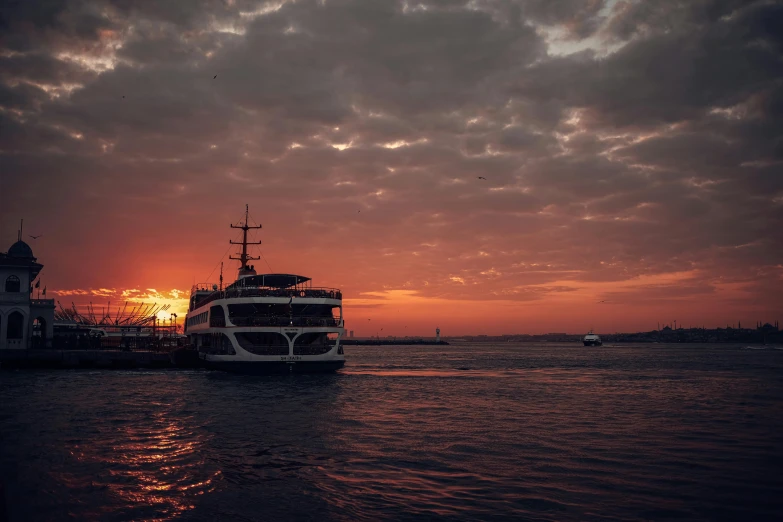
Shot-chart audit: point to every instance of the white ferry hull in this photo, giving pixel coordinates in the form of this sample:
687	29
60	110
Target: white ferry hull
240	360
274	367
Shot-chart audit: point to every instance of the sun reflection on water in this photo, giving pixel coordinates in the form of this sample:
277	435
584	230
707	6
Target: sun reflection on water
150	465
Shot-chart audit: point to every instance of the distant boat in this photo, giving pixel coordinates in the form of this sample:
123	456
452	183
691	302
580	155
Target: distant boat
592	339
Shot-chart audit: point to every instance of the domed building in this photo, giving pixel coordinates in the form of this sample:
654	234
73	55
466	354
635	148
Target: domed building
24	322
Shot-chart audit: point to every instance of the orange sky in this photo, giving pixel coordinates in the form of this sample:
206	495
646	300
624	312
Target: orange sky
398	294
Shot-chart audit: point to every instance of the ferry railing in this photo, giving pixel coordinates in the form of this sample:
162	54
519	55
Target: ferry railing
285	321
321	293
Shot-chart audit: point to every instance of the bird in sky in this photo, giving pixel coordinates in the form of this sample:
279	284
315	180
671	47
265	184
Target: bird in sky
482	177
123	96
601	301
36	237
214	77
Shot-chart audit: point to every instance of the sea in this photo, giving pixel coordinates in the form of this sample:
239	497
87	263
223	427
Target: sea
541	432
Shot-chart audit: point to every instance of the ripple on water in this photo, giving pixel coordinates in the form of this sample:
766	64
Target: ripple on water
415	433
148	465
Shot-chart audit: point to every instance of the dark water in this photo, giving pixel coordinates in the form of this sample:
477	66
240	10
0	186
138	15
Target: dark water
467	432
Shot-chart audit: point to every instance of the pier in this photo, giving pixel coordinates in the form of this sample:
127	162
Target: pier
69	359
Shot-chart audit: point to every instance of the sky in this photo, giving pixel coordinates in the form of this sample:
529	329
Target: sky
488	167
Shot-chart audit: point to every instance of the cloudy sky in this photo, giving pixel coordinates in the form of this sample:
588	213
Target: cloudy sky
632	153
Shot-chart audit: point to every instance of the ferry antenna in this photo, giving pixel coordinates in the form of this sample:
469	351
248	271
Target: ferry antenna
243	257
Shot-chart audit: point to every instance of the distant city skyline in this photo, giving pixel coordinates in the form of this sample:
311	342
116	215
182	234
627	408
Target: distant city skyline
483	167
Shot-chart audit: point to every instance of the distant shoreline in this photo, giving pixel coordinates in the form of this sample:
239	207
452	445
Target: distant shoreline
763	334
388	342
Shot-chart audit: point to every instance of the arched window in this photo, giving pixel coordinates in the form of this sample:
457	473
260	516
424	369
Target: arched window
39	338
39	327
12	284
15	327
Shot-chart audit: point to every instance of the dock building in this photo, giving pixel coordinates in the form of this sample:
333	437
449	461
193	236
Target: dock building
24	321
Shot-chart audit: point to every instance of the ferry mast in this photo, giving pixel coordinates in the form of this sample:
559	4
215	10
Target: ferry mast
245	269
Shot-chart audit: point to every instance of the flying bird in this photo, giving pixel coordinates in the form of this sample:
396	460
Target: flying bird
482	177
601	301
36	237
214	77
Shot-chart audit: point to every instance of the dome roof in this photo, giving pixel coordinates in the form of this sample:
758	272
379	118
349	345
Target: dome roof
20	249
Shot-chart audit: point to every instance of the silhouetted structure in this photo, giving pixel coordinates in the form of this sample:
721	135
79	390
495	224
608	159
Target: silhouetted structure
24	322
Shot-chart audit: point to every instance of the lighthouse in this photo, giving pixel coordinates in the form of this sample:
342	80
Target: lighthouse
437	335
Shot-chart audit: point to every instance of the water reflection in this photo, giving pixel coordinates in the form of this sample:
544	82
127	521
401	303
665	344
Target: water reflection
150	464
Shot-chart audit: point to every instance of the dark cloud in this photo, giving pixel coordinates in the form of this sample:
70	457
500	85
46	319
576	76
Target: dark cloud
670	75
652	150
42	68
580	18
51	25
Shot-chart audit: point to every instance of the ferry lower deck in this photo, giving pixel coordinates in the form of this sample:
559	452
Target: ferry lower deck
270	350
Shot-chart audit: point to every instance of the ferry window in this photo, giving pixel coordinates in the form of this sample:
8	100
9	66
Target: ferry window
263	343
314	343
12	284
217	317
228	348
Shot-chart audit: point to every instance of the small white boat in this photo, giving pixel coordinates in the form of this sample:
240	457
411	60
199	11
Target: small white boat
592	339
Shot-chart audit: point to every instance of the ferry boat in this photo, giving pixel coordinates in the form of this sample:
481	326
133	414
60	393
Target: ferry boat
592	339
266	323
